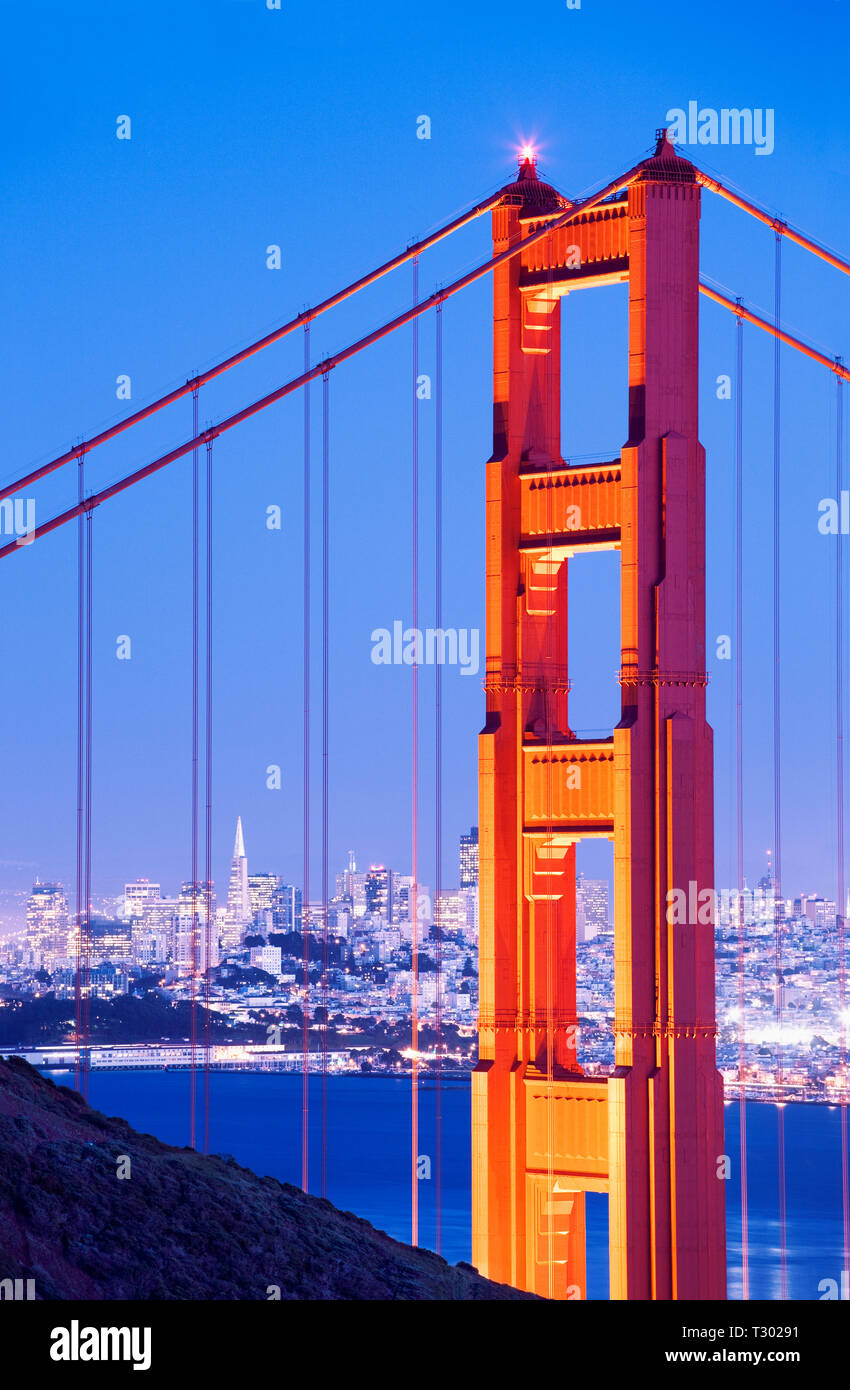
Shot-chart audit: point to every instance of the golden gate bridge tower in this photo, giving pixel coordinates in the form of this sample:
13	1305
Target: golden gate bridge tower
650	1134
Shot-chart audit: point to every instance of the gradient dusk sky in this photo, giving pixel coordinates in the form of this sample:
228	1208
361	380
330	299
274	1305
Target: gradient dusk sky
147	257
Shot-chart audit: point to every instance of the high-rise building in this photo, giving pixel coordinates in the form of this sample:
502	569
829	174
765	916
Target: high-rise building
110	940
137	896
402	894
344	881
191	942
261	891
238	915
402	900
591	908
357	893
351	887
154	927
339	921
153	933
379	892
286	908
47	926
469	858
819	910
457	911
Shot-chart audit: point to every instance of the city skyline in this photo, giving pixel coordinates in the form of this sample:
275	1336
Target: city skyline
723	892
148	929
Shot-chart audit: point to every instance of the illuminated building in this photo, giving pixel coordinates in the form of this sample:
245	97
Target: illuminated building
469	859
379	892
238	913
47	926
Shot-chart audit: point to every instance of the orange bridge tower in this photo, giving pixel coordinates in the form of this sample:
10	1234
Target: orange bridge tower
651	1133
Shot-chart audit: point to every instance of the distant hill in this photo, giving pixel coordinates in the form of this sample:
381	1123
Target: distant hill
48	1021
182	1226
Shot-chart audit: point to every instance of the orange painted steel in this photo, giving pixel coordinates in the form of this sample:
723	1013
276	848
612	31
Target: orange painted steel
307	316
573	213
737	308
295	384
581	505
650	1133
581	775
600	235
778	225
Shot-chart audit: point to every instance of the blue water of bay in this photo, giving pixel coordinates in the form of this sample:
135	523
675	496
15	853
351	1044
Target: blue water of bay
258	1119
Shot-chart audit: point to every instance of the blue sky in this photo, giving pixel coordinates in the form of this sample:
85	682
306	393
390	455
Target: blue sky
147	257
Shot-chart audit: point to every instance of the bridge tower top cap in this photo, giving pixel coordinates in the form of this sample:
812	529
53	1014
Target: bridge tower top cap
529	191
665	164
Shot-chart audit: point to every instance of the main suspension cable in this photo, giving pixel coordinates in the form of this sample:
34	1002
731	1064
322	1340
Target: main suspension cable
572	215
782	228
305	317
736	306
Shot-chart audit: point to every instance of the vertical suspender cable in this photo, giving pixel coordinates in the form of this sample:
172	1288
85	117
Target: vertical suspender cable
208	807
551	655
778	901
739	786
305	896
841	894
325	697
438	777
88	803
79	1062
193	1007
412	903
